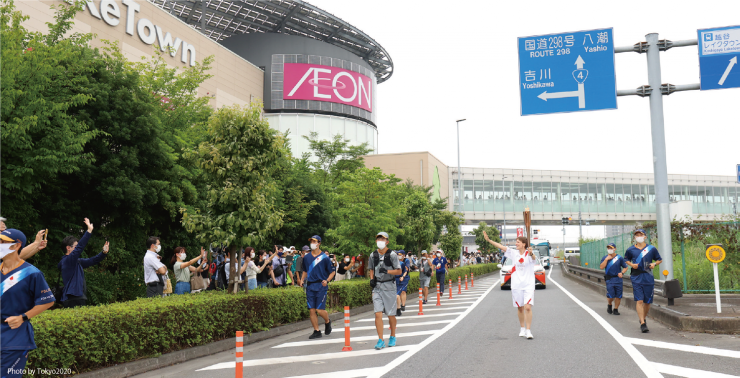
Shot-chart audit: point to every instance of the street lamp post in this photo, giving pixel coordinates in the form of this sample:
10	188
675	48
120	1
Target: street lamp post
503	182
459	183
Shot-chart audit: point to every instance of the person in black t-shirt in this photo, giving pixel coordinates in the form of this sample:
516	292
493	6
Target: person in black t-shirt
264	276
343	269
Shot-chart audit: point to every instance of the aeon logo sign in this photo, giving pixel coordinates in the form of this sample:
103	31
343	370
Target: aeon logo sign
326	83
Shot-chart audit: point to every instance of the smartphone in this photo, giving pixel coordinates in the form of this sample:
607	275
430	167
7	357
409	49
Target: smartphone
46	232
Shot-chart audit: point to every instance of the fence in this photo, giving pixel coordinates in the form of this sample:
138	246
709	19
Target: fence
690	265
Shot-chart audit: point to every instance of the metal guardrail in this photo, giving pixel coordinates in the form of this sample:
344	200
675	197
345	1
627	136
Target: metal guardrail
598	275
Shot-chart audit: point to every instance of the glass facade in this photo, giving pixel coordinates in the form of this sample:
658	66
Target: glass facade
326	126
496	190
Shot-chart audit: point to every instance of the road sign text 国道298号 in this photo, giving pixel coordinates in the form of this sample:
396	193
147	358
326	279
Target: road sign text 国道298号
567	72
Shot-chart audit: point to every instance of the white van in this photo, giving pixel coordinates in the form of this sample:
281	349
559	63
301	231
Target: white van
576	251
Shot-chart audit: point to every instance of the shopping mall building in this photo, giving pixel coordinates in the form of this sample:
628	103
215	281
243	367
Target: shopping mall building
313	71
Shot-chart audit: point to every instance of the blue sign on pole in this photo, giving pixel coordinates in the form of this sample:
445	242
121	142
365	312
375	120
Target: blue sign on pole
567	72
738	173
719	49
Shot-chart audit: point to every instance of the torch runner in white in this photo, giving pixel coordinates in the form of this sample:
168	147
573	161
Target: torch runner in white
522	281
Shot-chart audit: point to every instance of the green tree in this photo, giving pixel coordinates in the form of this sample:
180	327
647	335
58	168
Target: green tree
418	219
486	247
451	241
238	161
336	156
366	202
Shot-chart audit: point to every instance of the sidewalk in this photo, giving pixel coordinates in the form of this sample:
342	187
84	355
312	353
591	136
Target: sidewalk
692	312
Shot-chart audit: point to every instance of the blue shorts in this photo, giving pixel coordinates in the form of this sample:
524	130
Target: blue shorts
614	290
316	299
14	362
401	286
643	292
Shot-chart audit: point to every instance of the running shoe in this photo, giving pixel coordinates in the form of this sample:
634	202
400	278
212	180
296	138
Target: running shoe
424	302
529	334
615	312
398	312
644	328
327	328
380	345
392	341
315	335
522	332
403	308
609	309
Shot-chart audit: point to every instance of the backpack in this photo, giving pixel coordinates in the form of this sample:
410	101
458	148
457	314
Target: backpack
386	261
213	268
222	282
279	271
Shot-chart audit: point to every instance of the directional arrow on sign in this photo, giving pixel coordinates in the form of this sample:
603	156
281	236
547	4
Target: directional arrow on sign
580	93
733	62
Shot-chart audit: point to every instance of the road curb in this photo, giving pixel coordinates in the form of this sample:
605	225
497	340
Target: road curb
148	364
667	316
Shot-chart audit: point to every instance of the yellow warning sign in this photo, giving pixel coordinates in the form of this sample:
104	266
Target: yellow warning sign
715	253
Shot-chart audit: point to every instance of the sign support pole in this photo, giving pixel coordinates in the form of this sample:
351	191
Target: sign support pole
716	288
660	168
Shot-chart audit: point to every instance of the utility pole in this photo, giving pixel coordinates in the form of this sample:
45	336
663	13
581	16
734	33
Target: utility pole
459	183
504	198
580	226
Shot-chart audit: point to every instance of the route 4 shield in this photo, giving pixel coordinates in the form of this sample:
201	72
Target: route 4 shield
719	49
567	72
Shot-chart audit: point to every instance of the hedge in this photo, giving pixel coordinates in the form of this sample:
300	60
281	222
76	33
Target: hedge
94	337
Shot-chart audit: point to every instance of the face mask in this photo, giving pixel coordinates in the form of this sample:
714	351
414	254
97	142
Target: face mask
159	248
346	260
5	250
251	255
381	244
439	255
640	239
611	251
182	256
314	246
423	259
280	254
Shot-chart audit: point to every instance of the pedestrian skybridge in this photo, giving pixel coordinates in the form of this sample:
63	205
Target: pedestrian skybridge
489	194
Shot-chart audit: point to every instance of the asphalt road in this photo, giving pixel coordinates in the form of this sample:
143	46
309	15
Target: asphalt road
476	335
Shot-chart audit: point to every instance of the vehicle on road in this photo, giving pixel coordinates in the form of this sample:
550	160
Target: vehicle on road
542	250
505	275
573	251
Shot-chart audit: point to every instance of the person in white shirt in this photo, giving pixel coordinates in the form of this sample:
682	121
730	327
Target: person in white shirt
153	268
522	281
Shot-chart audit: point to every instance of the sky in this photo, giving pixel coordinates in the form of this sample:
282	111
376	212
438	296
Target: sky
459	59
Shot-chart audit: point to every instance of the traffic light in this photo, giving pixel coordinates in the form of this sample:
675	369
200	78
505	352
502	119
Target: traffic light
566	220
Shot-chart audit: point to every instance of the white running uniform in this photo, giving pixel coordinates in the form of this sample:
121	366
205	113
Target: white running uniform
522	277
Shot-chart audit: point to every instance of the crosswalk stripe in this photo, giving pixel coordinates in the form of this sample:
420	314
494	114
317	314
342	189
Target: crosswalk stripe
449	300
440	308
341	374
414	317
685	348
689	373
398	325
341	340
309	358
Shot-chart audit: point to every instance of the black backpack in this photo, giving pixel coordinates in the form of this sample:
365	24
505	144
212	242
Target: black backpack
278	271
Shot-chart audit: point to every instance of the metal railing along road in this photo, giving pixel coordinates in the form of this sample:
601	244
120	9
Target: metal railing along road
597	275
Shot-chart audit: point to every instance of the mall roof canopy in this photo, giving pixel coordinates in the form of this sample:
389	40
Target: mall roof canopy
225	18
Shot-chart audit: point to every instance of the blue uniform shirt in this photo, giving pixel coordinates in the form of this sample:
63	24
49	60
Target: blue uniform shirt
614	267
642	275
319	268
405	265
23	288
442	261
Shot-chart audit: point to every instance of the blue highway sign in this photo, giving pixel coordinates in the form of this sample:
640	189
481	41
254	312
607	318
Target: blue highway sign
738	173
567	72
719	49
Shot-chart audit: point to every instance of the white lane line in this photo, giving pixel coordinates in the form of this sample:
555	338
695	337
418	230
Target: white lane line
432	305
340	374
639	359
341	340
414	317
309	358
685	348
435	308
689	373
398	325
402	358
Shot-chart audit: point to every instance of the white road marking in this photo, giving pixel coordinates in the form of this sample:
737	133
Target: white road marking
341	340
434	305
309	358
685	348
398	325
689	373
649	370
436	308
413	317
380	371
341	374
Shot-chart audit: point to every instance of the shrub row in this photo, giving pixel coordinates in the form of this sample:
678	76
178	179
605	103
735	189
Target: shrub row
94	337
